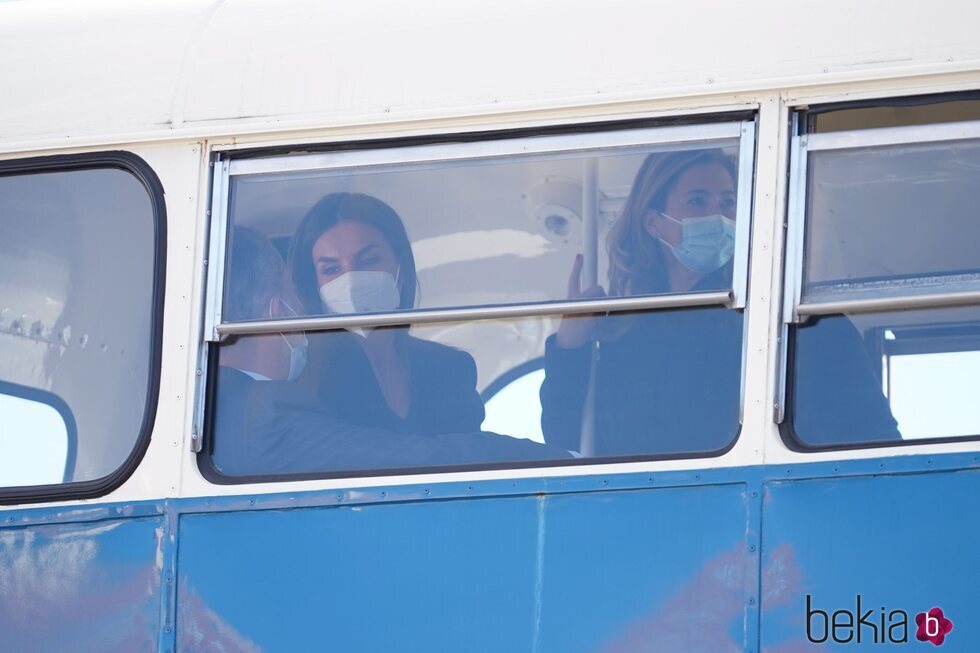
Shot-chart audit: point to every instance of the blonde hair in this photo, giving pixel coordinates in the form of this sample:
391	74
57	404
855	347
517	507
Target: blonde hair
636	259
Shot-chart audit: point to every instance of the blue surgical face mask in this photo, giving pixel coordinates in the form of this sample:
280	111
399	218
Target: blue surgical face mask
707	243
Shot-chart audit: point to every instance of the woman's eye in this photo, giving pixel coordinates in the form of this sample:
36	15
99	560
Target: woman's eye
329	270
369	261
728	204
696	201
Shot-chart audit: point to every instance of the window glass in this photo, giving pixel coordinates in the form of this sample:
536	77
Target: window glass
886	377
666	383
494	231
76	297
470	233
895	220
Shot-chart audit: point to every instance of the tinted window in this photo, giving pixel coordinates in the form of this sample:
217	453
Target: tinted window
887	377
666	384
890	226
77	262
485	232
892	220
366	236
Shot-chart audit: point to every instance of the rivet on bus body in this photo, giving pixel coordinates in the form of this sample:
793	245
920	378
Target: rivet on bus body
752	548
198	372
751	600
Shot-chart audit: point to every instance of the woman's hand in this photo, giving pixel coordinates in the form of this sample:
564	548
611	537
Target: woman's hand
575	330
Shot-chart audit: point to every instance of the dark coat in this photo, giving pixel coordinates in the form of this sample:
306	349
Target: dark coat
265	428
442	383
671	385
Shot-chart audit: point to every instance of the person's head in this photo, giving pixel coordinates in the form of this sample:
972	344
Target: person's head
255	278
345	233
256	290
670	189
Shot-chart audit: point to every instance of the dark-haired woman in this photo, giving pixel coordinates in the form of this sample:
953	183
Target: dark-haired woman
351	254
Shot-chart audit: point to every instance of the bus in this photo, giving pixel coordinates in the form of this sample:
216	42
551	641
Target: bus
550	326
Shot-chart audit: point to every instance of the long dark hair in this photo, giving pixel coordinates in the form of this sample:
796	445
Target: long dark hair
335	209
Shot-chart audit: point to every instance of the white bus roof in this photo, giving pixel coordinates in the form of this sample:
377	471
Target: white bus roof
116	71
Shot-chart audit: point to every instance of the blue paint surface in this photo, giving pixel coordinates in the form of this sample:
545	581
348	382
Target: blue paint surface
81	586
902	542
607	564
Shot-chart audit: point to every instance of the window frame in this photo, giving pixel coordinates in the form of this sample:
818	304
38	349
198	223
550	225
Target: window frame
796	311
141	170
440	150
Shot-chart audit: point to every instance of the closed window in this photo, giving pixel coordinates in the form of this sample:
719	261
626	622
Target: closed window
502	302
883	302
79	342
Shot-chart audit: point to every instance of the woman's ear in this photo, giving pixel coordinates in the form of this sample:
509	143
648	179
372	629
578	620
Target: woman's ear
650	223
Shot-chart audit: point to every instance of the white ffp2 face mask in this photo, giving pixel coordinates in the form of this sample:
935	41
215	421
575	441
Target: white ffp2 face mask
361	291
297	357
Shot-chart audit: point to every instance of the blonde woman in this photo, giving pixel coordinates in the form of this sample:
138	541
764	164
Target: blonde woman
666	381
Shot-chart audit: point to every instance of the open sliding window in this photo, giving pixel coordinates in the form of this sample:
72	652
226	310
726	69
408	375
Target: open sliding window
491	303
882	307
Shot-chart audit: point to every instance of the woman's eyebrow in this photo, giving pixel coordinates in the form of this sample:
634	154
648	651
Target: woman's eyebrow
365	249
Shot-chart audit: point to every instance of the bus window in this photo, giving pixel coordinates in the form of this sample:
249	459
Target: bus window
78	338
878	350
418	277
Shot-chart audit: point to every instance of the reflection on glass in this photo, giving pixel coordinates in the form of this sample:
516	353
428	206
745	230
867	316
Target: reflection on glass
667	384
491	231
34	442
886	376
902	214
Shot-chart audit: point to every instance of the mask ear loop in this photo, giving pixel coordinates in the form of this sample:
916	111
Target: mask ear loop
292	313
398	274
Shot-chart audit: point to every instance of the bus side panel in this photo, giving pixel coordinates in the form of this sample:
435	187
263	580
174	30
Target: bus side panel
902	545
603	571
81	586
647	570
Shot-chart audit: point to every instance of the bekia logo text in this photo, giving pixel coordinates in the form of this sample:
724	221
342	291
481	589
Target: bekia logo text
872	626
